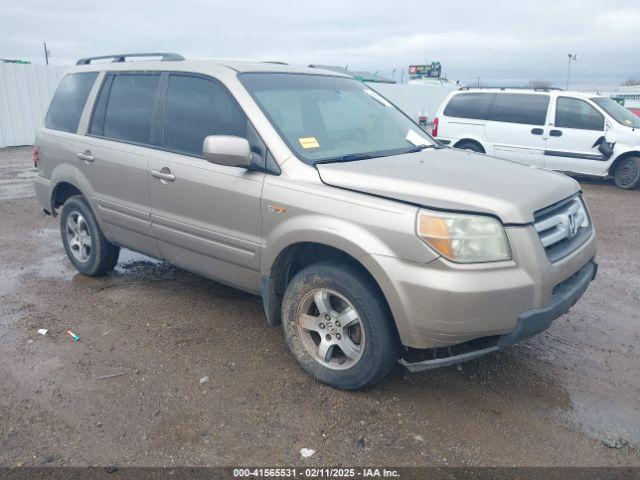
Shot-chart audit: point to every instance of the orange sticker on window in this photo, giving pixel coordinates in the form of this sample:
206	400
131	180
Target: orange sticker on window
309	142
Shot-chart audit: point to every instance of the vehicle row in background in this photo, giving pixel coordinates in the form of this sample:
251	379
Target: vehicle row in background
572	132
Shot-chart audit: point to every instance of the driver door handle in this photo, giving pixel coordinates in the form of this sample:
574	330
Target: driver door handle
86	156
164	174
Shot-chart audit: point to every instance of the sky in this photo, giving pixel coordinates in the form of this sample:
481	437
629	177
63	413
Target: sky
495	42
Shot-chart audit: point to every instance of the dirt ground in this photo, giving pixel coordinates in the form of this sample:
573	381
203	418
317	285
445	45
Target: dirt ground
570	396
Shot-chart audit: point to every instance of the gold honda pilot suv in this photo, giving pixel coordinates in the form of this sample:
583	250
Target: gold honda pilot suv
368	241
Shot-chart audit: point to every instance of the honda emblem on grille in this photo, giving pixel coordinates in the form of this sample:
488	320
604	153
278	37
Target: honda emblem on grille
572	225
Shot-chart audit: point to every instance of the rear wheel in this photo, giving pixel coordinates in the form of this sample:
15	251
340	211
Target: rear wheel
86	246
338	326
469	145
627	173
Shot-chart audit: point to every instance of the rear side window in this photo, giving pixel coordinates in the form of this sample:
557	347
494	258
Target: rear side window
68	102
197	107
125	107
469	105
520	108
576	113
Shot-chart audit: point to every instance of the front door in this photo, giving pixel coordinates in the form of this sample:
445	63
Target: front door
516	127
205	217
576	128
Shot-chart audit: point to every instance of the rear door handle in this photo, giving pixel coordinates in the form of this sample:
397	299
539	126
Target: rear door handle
163	174
555	133
537	131
86	156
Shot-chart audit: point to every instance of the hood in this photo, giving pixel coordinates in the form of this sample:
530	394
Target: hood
455	180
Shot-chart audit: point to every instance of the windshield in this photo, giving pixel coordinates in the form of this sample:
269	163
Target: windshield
325	118
618	112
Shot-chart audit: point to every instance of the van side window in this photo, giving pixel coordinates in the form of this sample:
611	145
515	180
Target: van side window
469	105
576	113
520	108
197	107
68	102
125	107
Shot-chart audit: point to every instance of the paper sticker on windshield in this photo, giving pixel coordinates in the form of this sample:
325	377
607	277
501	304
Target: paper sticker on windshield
309	142
415	138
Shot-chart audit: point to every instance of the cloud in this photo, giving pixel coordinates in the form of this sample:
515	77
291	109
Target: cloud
499	41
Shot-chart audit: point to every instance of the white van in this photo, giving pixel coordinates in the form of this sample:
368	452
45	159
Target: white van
571	132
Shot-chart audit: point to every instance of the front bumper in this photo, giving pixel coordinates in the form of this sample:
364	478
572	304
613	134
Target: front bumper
440	304
530	322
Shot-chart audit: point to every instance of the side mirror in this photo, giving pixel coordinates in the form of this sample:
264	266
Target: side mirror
227	150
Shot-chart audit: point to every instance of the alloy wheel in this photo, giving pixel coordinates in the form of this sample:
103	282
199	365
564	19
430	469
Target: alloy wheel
331	329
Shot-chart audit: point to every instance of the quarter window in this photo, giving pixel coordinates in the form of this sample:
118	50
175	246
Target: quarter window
68	102
520	108
576	113
469	105
195	108
125	107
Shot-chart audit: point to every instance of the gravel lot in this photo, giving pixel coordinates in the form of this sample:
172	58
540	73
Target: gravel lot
570	396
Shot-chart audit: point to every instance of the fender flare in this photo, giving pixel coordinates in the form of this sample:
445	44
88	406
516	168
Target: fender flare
65	173
474	139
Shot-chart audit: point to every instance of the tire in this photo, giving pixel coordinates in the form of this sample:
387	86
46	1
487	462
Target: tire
86	246
472	146
370	337
627	173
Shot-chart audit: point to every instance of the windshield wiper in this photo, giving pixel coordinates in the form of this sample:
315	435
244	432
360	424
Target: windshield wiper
351	157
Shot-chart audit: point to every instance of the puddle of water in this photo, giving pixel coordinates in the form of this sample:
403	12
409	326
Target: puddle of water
603	420
28	174
9	280
47	232
129	259
7	319
15	191
55	266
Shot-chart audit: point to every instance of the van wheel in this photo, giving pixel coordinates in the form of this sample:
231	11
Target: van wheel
338	326
627	173
86	246
468	145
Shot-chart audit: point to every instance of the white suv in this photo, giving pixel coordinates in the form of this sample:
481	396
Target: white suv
566	131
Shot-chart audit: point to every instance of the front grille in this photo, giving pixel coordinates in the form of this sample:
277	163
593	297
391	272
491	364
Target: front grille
563	227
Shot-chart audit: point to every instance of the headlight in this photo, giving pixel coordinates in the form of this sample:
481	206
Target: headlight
464	238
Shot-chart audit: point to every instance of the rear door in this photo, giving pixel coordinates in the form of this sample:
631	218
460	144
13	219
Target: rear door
113	157
516	126
576	127
206	217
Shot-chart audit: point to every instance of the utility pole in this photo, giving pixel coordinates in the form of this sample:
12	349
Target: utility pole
573	57
46	53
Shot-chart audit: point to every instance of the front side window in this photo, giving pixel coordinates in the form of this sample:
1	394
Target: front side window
68	102
620	114
125	107
470	105
324	118
524	108
576	113
195	108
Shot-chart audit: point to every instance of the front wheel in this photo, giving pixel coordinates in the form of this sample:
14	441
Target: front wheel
338	326
471	146
627	173
86	246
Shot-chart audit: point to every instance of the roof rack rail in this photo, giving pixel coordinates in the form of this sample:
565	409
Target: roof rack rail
537	89
275	62
164	56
